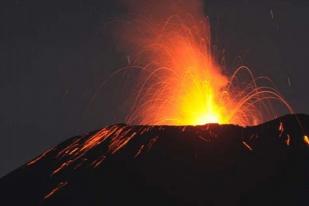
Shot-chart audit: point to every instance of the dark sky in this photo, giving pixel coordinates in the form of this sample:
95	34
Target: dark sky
55	54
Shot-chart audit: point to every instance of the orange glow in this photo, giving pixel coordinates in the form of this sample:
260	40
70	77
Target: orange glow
179	81
306	139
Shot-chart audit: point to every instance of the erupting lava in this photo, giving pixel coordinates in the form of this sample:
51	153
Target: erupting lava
179	81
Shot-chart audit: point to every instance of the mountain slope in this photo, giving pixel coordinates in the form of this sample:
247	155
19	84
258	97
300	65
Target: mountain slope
170	165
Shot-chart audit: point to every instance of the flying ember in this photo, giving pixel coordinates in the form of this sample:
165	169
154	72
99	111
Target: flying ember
180	83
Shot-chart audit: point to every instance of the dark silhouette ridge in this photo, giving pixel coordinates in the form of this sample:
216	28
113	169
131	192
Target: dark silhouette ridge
170	165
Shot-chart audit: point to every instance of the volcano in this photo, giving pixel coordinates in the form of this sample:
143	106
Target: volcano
170	165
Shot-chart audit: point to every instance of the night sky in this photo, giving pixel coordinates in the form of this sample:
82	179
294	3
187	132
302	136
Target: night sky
54	55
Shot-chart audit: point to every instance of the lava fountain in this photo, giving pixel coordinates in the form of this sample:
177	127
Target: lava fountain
179	82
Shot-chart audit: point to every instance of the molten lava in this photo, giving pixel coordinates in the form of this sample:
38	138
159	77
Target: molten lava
179	81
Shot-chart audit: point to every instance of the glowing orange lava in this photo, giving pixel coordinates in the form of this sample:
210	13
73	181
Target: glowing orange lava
179	81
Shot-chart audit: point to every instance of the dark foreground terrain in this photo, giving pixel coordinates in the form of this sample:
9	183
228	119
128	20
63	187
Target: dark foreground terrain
169	165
